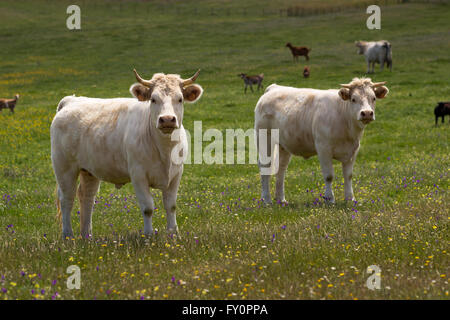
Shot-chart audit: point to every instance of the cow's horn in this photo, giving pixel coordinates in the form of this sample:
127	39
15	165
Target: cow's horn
378	84
191	80
345	86
142	81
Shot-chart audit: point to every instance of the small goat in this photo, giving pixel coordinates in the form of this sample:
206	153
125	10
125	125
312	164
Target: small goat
9	103
306	72
251	80
298	51
442	109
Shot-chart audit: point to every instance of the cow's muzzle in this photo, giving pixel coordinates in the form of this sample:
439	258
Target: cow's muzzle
167	123
367	116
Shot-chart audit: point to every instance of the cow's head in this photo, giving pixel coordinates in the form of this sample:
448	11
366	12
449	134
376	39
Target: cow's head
361	95
166	94
361	45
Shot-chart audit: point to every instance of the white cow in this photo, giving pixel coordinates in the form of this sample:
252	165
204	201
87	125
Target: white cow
329	123
122	140
376	52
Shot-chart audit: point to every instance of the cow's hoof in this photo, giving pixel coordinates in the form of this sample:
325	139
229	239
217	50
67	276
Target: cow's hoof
150	233
86	236
282	202
68	236
173	231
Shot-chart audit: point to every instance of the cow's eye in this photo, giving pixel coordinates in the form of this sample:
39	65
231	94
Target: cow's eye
153	100
353	100
374	98
180	100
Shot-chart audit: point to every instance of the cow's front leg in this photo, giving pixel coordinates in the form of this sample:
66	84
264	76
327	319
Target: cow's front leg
326	164
347	171
146	204
170	204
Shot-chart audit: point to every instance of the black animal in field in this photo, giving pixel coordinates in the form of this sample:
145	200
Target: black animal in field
251	80
442	109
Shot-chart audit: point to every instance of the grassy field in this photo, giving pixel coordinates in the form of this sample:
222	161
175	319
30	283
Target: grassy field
230	247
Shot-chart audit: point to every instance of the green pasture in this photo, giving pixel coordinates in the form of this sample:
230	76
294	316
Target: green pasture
229	245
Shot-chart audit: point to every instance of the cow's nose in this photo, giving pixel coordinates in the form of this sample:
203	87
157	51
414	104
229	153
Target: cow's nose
167	120
367	114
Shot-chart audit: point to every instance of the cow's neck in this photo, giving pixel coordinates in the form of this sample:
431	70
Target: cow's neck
163	145
353	129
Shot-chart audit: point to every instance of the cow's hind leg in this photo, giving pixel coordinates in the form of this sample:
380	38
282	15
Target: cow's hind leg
87	190
265	162
381	65
284	158
67	185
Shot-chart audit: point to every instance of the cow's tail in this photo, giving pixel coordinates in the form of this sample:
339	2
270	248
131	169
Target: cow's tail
387	46
58	206
63	102
270	87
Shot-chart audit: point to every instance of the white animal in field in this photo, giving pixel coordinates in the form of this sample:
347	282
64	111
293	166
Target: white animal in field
376	52
329	123
119	141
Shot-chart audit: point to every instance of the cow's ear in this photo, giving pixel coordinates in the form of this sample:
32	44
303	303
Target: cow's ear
192	93
381	92
142	93
344	93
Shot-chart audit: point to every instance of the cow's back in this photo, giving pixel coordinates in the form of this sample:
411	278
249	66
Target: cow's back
91	132
295	113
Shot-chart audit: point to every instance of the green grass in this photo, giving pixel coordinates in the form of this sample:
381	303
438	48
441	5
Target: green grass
230	247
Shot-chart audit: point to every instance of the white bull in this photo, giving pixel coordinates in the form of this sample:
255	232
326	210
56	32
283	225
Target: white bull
122	140
376	52
328	123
